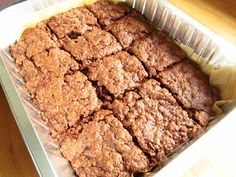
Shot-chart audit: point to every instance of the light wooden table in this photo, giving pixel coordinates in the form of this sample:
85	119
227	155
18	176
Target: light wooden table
218	15
15	161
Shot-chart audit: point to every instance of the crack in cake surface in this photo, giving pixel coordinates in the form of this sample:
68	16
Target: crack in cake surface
74	69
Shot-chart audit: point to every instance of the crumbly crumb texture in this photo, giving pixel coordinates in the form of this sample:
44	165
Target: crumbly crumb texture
118	95
155	119
103	148
157	51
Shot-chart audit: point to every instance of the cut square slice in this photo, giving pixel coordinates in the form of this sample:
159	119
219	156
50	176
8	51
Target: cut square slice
75	22
108	12
93	45
55	61
33	41
130	28
117	73
157	52
103	148
63	102
189	85
155	119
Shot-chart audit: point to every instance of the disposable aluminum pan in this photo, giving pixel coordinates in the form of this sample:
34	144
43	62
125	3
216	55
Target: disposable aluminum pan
199	42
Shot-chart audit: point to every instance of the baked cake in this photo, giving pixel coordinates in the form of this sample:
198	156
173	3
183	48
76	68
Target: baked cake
118	95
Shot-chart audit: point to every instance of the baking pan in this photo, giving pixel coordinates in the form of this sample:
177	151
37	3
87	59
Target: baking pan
202	45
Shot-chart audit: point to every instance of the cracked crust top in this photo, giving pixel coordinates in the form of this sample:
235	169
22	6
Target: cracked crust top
154	118
130	28
33	41
64	102
148	122
77	20
157	52
103	148
190	86
118	73
55	61
93	45
107	12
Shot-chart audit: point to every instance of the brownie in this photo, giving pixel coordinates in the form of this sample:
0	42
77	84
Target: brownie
117	73
33	41
107	12
103	148
93	45
130	28
79	48
55	61
157	52
75	70
155	119
75	22
189	85
64	101
102	42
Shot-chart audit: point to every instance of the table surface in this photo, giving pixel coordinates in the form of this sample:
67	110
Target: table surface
15	161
